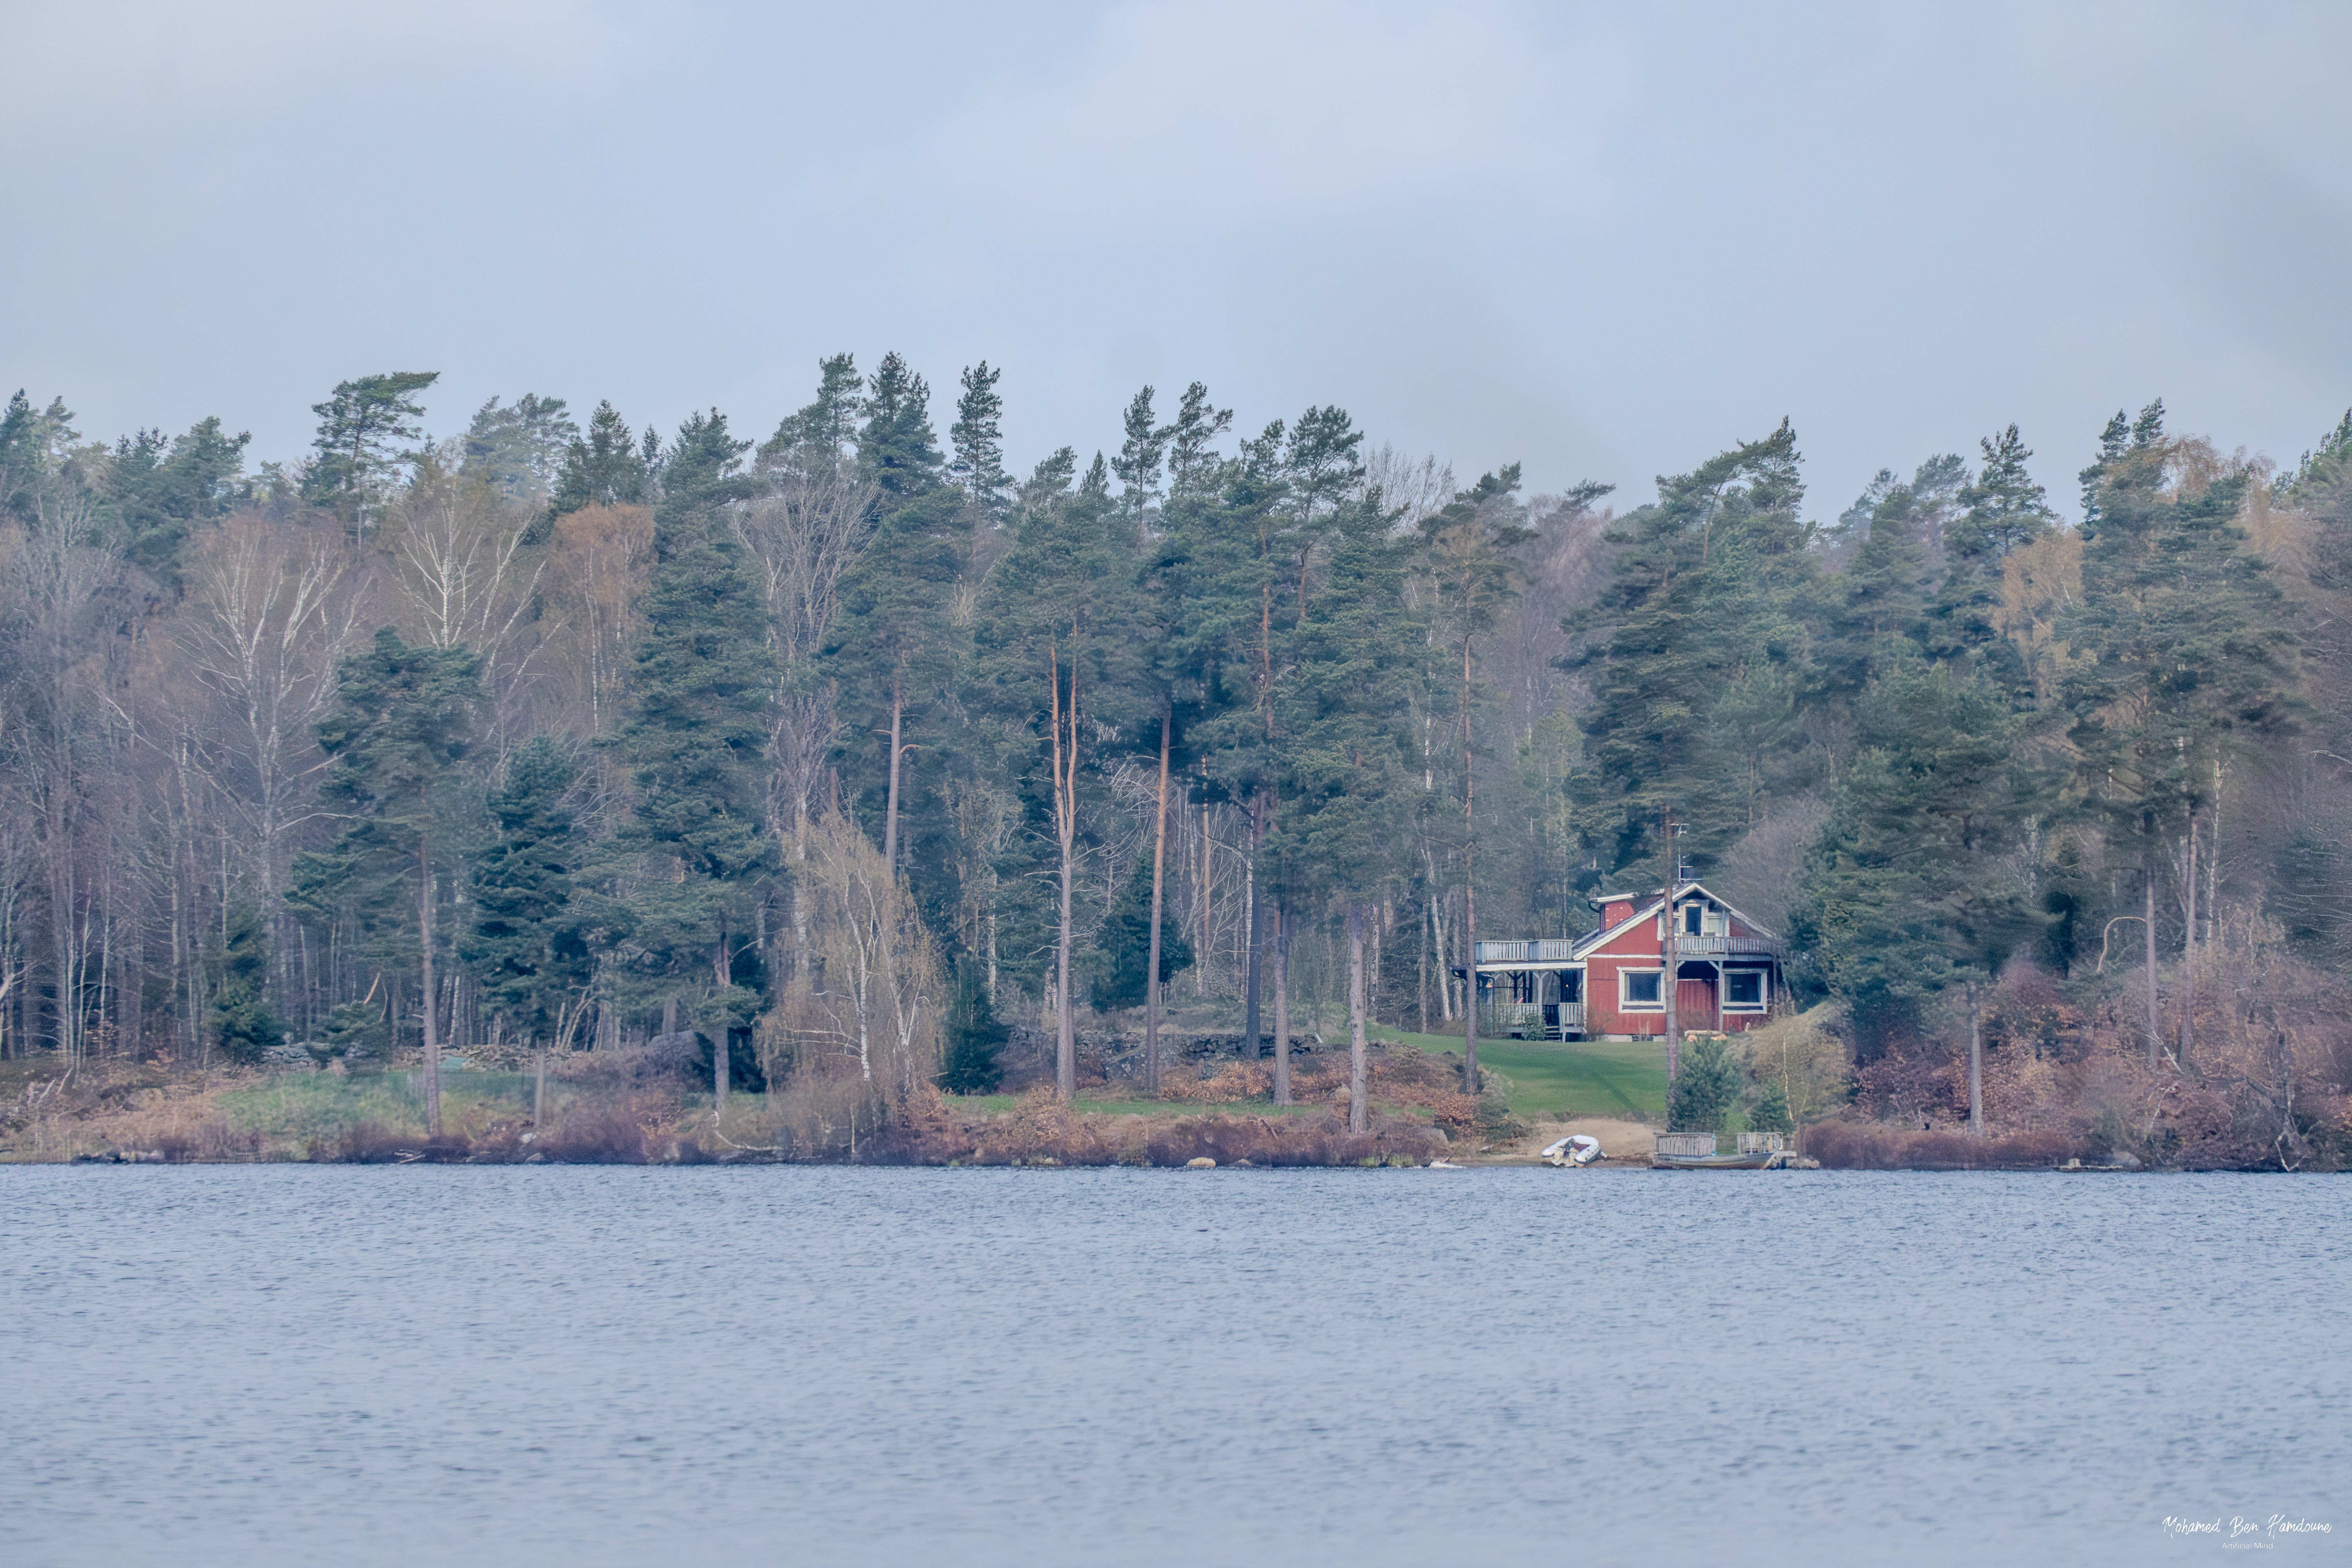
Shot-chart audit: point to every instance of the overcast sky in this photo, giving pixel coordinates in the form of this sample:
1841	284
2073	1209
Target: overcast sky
1607	241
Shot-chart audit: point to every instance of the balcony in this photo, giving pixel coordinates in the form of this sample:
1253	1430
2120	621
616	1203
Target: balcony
1687	946
1547	950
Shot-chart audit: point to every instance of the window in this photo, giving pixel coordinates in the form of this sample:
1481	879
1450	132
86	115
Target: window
1743	988
1639	987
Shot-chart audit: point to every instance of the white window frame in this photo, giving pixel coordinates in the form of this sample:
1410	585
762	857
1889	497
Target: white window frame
1625	1003
1763	991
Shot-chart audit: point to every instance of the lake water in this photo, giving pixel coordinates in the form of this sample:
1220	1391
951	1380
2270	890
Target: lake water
504	1365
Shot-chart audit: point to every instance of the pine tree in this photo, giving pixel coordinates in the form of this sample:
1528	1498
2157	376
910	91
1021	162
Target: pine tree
361	428
1472	581
1119	960
1906	892
978	467
2006	510
1703	1093
1139	455
1712	586
1053	663
525	944
243	1027
696	739
518	449
399	737
1192	460
162	492
606	467
2186	653
821	434
893	652
1342	712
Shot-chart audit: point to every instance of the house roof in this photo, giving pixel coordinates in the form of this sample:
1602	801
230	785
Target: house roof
1647	909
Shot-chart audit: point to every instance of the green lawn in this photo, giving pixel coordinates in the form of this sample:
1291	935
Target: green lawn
322	1105
1575	1077
1549	1079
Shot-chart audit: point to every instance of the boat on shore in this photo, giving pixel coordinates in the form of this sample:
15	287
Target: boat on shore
1577	1149
1755	1160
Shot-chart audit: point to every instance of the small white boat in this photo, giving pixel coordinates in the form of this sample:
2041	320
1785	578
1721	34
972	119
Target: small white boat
1576	1149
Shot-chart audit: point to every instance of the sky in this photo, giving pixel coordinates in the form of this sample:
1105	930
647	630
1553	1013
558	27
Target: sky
1605	242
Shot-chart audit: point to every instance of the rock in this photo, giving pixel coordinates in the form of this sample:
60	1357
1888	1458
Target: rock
288	1054
536	1158
2127	1161
1201	1163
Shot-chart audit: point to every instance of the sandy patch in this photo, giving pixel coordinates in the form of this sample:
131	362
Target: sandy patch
1619	1140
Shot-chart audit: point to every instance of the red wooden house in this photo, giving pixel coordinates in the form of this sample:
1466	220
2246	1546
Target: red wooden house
1609	984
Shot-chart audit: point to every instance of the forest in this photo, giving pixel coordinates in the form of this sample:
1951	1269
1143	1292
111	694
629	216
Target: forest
853	753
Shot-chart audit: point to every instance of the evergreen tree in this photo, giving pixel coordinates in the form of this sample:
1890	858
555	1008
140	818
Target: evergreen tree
243	1027
1139	455
1703	1093
696	739
1712	586
1191	452
2186	653
1054	664
518	449
1120	958
362	429
1473	581
2006	510
400	732
1907	892
1342	712
162	492
821	434
975	1039
606	467
525	944
893	652
1883	593
979	466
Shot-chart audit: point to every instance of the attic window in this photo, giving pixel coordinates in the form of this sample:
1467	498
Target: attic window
1692	915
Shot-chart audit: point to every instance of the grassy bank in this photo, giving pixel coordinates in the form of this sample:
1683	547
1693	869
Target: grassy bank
1553	1079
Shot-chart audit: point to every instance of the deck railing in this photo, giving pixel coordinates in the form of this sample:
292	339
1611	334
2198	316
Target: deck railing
1727	946
1549	950
1545	951
1531	1020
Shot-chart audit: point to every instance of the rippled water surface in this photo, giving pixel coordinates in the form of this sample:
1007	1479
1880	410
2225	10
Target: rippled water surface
262	1365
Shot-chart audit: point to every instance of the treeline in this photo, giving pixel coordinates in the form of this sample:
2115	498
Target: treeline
848	747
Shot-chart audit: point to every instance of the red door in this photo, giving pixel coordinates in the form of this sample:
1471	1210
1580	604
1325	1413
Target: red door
1695	1001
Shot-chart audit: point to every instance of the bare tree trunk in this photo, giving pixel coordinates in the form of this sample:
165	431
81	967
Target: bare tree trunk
429	994
1469	894
1065	828
2155	1027
1281	1001
722	970
2189	946
1359	1089
1976	1064
1669	954
1208	909
539	1089
1253	976
890	811
1158	865
1429	931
